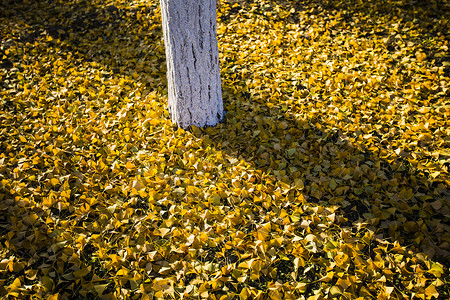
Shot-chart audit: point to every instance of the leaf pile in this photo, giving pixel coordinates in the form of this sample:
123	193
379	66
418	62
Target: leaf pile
329	178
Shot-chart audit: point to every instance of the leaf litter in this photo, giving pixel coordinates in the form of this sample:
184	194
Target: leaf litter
329	178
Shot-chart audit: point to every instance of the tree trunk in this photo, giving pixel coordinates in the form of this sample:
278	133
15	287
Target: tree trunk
193	75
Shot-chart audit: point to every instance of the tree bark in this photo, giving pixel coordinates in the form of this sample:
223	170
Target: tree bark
192	55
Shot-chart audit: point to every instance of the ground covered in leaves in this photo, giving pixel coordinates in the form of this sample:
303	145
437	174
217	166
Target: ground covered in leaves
328	179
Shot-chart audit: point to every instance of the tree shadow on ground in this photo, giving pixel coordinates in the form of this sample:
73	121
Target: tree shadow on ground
391	195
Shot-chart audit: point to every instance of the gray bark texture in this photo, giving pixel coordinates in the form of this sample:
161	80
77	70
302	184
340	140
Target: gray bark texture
192	55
